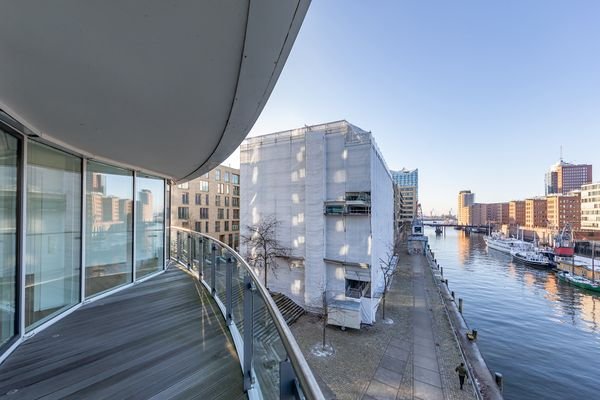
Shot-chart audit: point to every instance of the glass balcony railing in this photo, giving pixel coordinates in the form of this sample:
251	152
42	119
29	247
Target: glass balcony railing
271	361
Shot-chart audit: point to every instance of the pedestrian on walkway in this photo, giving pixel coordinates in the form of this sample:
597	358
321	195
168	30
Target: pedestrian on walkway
462	374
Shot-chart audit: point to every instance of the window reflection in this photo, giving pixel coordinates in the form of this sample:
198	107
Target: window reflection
53	245
8	235
149	205
109	228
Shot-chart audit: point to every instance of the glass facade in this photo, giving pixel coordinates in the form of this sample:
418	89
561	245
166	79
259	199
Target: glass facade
9	159
42	226
109	228
149	206
53	244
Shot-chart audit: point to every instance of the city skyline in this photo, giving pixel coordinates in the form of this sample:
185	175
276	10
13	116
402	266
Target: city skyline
486	94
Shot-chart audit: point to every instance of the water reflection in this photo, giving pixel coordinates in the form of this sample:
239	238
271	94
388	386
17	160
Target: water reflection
530	323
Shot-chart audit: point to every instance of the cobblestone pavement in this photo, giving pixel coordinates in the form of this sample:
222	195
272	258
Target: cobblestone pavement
413	358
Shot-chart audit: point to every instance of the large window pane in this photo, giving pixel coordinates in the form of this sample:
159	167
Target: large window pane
149	205
109	228
8	237
53	245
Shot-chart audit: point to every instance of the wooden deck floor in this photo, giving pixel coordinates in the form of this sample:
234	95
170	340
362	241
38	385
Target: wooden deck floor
162	339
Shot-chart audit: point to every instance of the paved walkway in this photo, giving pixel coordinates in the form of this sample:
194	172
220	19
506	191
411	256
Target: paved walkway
420	358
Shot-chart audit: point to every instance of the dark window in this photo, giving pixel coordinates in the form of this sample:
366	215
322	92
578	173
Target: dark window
235	201
185	198
198	226
236	214
203	213
183	212
217	200
235	179
226	201
198	199
236	190
217	226
220	213
226	227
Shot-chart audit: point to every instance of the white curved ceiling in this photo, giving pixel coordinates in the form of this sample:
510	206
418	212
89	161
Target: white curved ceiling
171	87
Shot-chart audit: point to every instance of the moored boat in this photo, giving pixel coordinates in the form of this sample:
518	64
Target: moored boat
533	259
506	245
564	246
578	281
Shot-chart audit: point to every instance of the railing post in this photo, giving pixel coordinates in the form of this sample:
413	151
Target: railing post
201	259
178	246
228	289
213	273
190	258
288	384
248	332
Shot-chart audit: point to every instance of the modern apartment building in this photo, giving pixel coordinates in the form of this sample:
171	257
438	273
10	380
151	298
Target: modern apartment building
210	204
563	209
407	182
590	207
102	107
329	187
565	177
465	199
516	212
535	213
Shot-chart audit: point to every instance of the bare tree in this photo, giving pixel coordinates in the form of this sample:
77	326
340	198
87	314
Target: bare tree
388	266
262	246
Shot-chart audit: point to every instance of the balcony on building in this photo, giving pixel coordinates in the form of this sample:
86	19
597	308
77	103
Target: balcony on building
103	108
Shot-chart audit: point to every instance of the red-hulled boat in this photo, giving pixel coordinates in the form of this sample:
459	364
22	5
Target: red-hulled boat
564	245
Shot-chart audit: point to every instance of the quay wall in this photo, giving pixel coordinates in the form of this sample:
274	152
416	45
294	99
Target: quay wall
479	371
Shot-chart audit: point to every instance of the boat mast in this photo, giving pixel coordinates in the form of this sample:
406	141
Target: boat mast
593	256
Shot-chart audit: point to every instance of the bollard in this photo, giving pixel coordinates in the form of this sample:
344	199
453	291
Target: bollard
499	381
446	283
453	295
460	305
474	334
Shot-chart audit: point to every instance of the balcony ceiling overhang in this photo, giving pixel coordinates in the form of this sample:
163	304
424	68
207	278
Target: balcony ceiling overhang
171	87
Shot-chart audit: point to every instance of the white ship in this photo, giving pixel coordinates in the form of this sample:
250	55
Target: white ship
506	245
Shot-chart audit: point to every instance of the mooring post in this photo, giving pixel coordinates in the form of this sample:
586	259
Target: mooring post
499	380
453	295
460	305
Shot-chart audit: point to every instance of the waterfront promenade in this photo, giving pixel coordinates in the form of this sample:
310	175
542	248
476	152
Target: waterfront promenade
413	358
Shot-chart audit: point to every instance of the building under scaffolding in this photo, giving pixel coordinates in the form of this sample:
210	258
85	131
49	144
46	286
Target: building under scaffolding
331	190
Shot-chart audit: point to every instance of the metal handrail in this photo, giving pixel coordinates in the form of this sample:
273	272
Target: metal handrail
303	373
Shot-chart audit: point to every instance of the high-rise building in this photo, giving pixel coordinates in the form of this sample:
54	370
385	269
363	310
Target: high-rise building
210	204
331	190
407	182
516	212
565	177
465	199
535	213
562	209
590	207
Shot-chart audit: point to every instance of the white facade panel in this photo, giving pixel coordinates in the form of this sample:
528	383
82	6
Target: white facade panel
291	175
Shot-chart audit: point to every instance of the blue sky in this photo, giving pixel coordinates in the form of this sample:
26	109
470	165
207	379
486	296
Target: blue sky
477	95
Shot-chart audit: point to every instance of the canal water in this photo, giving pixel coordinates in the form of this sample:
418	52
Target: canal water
540	333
